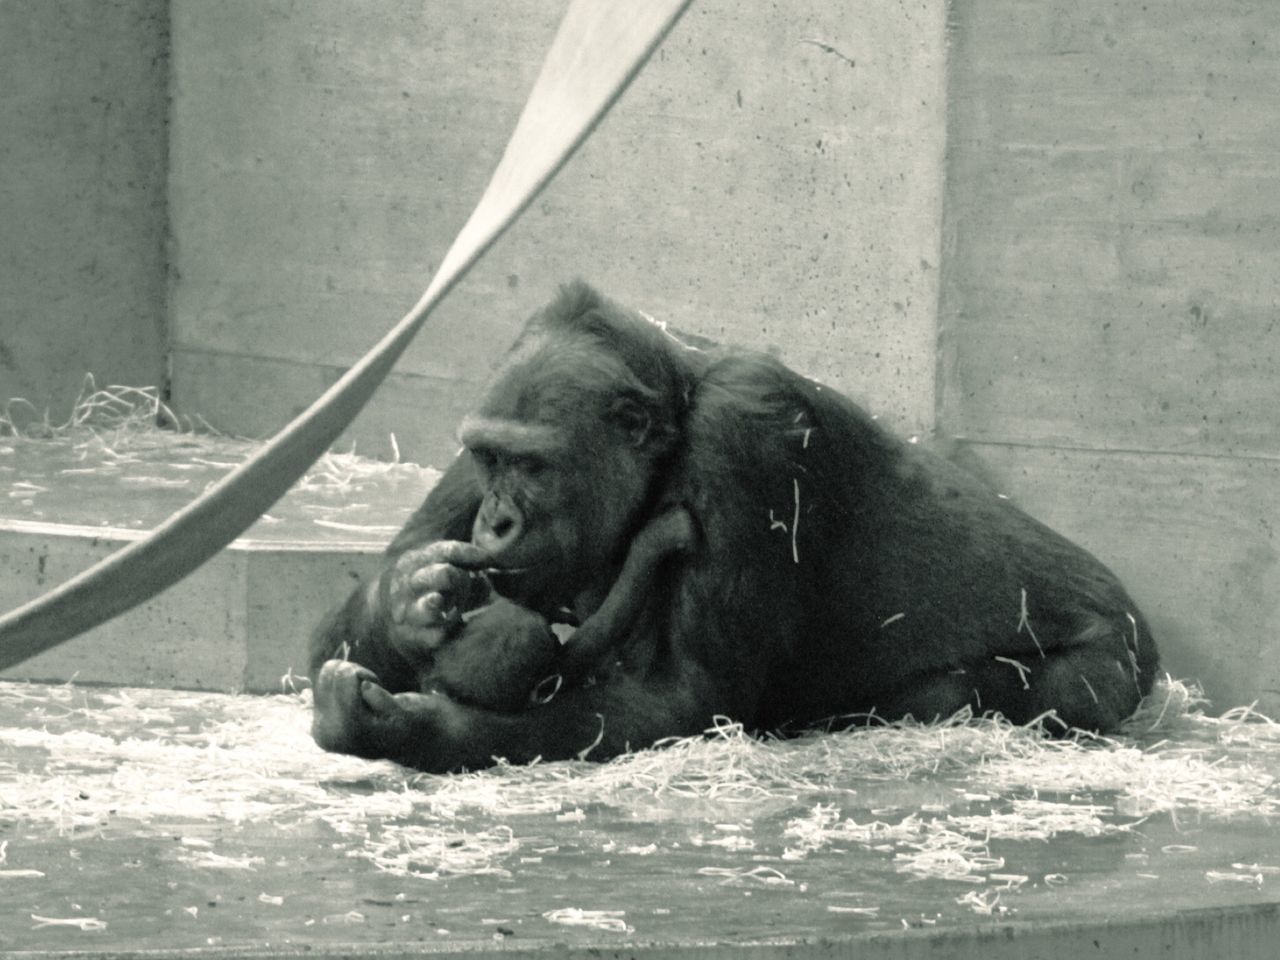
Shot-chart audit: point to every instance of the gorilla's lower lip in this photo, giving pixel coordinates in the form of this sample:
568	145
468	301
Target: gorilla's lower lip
510	578
523	585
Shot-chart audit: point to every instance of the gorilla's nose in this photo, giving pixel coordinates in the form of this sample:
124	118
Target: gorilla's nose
498	525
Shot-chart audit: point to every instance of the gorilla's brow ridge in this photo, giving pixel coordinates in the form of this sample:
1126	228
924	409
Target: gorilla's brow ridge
512	436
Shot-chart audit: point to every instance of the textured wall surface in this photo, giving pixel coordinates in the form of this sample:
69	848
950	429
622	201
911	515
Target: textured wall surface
750	186
83	145
1111	303
1108	336
238	623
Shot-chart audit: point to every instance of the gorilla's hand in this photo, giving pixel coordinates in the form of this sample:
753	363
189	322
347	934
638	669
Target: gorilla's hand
427	590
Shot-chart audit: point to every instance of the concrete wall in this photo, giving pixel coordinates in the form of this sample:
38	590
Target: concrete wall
239	623
83	145
1110	307
1111	303
750	186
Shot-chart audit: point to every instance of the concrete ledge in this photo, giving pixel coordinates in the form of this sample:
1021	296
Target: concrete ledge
1242	933
237	624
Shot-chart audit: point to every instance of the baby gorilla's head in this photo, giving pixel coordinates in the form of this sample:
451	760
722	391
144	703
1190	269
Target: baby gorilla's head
503	660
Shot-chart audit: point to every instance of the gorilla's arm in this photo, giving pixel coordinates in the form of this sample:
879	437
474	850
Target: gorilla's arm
439	735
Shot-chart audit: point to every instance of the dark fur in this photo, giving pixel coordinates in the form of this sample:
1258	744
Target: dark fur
903	581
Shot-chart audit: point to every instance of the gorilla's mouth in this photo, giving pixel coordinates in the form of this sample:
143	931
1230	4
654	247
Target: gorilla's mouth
514	583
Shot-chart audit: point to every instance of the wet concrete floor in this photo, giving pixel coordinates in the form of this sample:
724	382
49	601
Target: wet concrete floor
144	819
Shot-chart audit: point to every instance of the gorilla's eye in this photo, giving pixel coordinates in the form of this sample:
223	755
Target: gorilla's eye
529	464
484	458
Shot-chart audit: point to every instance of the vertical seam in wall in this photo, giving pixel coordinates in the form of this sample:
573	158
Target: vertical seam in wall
168	243
944	360
239	618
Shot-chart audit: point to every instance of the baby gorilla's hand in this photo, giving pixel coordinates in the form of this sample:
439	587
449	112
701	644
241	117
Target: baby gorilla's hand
426	592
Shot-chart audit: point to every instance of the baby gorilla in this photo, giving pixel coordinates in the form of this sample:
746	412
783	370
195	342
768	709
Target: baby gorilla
464	640
459	637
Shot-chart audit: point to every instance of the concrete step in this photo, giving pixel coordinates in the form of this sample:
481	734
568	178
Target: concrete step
241	622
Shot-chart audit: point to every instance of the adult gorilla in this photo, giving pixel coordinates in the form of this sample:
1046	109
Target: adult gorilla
734	539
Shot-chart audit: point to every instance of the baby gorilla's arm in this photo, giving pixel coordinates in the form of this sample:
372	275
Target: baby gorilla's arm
668	533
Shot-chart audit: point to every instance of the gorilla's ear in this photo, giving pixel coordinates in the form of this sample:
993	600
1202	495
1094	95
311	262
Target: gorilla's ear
632	415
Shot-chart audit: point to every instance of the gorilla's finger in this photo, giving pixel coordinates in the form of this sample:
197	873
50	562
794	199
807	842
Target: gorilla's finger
441	578
378	699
